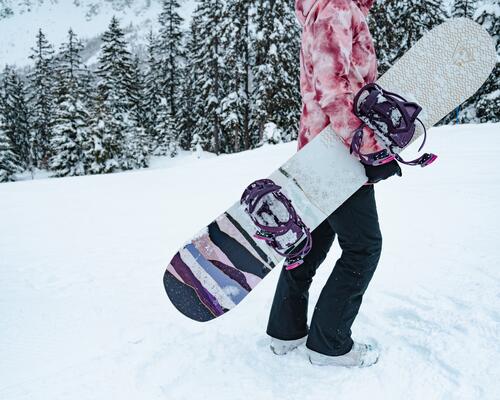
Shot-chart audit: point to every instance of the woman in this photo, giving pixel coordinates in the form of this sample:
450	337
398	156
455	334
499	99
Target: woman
337	58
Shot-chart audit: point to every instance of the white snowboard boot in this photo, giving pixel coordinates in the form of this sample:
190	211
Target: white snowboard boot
361	355
281	347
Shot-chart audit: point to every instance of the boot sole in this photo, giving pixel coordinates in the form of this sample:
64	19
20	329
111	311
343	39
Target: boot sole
333	364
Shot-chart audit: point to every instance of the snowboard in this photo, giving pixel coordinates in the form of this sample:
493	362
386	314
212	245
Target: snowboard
217	268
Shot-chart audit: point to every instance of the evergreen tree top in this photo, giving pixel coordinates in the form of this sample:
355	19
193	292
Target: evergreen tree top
43	50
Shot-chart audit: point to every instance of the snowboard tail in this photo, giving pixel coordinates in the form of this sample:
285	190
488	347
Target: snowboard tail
217	269
203	279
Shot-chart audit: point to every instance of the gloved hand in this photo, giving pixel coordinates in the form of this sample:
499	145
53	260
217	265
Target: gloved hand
381	172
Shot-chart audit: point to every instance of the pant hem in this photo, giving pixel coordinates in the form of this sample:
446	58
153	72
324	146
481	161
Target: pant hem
288	337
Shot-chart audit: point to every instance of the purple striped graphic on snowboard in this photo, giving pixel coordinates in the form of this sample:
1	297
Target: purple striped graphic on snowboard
202	280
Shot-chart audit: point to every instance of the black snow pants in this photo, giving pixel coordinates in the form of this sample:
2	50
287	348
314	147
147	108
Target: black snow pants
356	224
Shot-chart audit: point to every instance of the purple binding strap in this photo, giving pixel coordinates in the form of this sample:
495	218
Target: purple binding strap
378	158
273	230
393	119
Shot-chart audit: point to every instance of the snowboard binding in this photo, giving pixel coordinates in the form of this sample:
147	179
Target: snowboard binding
277	221
392	118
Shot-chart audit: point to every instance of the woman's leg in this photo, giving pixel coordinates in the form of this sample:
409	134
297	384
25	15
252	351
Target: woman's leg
357	228
288	317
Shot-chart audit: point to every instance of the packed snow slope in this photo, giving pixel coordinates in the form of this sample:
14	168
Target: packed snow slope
83	312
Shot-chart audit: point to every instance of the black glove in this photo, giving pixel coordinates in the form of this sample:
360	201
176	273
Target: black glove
381	172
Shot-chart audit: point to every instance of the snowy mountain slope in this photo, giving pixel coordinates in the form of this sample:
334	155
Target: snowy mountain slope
83	313
88	18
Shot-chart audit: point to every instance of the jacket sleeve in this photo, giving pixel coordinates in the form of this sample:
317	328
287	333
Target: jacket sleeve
336	81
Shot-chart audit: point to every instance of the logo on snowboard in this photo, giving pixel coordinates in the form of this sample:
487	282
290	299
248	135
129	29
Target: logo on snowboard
462	56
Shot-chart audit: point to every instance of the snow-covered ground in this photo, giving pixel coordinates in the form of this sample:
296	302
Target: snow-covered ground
83	312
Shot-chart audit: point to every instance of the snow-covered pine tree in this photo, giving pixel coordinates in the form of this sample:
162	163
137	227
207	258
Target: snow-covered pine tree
277	85
102	155
171	52
189	104
136	143
88	83
41	92
136	147
272	134
276	92
9	161
235	107
380	20
167	131
263	22
136	92
463	8
71	121
207	61
152	91
488	97
15	117
112	120
196	145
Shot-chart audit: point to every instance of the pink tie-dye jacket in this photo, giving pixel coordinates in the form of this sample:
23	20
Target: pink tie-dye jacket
337	58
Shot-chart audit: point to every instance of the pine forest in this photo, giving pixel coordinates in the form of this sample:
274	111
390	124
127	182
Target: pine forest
228	83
